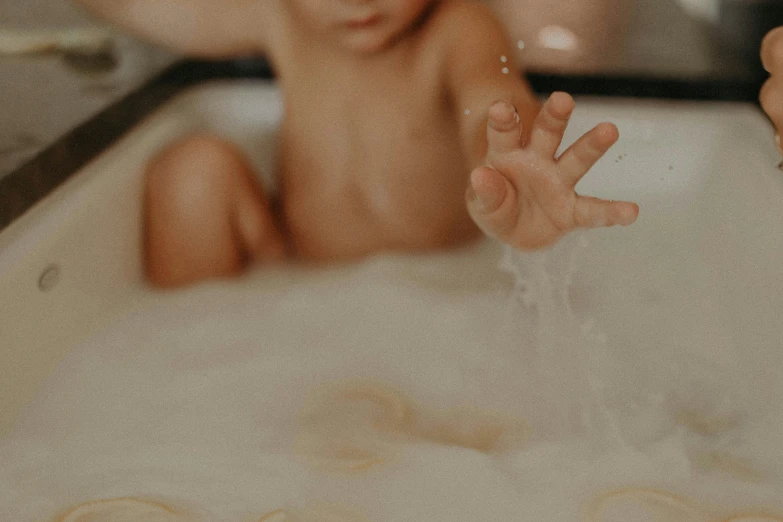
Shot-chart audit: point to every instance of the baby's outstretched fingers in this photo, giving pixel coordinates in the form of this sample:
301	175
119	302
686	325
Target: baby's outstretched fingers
526	197
504	130
550	124
586	151
592	212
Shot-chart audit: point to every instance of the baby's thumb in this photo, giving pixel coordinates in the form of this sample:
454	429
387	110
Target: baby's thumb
490	201
487	189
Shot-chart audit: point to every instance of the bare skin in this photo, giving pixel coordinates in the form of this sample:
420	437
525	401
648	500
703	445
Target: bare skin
772	92
389	106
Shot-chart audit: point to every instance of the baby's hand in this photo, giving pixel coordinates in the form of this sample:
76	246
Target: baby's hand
524	196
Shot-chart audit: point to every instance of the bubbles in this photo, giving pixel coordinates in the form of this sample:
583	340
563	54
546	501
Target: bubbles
316	513
567	348
275	516
504	392
122	510
645	505
355	427
760	517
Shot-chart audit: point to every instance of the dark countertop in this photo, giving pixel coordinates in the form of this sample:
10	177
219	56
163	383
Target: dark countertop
44	97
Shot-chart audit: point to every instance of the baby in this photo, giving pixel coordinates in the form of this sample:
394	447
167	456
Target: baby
772	92
406	127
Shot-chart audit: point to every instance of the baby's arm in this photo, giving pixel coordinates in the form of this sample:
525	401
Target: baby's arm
482	68
206	28
518	191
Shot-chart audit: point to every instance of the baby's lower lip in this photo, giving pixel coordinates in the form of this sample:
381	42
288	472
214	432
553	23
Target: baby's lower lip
363	23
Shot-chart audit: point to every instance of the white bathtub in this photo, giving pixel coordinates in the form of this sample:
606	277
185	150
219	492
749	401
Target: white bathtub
689	298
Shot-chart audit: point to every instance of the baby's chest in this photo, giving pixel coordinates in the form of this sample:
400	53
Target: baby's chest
409	128
394	150
382	132
392	129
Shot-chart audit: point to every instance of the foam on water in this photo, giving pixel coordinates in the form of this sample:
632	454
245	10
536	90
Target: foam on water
200	400
570	352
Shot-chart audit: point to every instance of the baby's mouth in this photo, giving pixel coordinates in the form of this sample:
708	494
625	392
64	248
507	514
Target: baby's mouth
365	22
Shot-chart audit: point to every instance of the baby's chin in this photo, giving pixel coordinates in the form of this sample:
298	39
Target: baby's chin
367	42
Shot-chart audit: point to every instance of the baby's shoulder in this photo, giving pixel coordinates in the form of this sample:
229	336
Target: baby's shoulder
466	27
463	12
460	19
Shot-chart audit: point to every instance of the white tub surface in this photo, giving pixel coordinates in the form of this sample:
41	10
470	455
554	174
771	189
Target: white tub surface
644	357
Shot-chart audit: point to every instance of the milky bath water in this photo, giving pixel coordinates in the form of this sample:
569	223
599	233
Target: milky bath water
626	374
488	390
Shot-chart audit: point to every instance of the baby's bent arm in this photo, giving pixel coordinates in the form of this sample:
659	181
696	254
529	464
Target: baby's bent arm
482	69
519	191
205	28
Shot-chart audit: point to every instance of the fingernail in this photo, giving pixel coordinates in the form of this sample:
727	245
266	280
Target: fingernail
499	114
470	194
487	202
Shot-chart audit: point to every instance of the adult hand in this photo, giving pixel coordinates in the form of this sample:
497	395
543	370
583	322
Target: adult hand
771	96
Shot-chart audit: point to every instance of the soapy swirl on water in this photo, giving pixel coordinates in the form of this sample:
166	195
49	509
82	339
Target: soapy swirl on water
638	504
357	426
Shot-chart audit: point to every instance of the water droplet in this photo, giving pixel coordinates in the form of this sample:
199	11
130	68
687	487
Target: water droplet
467	111
503	58
520	44
504	70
